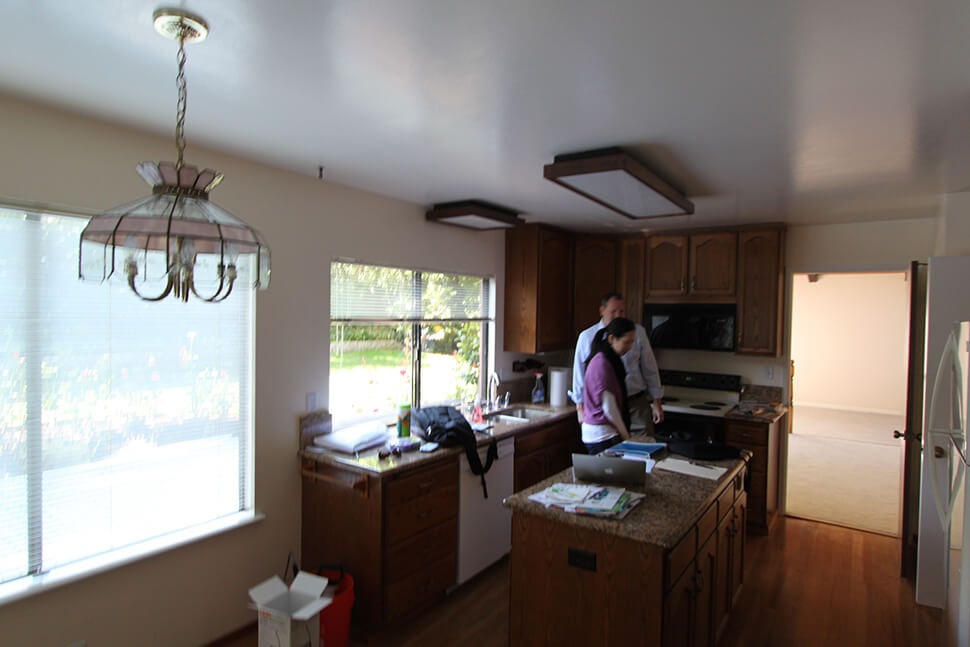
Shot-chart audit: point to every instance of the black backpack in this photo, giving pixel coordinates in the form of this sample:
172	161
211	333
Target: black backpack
447	427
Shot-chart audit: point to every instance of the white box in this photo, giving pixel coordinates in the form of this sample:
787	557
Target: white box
290	617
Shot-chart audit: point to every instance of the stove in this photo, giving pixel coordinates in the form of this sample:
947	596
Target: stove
701	394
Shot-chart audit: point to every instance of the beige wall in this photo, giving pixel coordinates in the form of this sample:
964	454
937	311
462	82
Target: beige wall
197	593
849	341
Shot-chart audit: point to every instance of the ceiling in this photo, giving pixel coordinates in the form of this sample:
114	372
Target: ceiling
802	111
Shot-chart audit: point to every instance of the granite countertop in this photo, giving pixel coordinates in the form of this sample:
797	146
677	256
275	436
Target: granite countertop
769	415
673	503
368	461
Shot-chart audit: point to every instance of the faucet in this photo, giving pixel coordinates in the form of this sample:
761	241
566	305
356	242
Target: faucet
493	382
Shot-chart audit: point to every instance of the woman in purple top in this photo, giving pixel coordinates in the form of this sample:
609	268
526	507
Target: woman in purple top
606	417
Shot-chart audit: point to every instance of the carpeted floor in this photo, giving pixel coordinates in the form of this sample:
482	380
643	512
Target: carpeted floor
844	468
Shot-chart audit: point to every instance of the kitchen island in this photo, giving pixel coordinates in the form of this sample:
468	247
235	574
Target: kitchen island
667	574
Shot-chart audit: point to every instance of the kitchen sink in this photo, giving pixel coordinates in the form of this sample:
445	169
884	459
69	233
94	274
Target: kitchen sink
521	414
507	419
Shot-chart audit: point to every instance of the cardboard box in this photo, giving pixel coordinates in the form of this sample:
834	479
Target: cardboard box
290	617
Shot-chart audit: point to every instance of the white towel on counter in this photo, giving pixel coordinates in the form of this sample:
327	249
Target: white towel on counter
355	438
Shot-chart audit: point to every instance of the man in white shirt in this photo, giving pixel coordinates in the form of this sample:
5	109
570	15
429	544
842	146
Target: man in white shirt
643	387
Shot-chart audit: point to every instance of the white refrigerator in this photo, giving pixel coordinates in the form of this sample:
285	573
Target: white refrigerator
944	435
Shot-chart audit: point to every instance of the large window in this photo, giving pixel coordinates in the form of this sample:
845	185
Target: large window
121	421
401	336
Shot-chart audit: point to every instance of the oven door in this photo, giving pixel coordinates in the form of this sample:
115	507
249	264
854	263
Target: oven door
685	427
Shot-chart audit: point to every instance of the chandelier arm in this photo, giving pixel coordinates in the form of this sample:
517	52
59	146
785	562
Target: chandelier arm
217	296
168	289
182	99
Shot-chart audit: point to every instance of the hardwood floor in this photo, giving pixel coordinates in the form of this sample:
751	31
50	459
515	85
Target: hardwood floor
807	584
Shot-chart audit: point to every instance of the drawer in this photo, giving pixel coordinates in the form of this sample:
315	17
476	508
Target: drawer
680	556
707	524
411	517
407	488
420	589
408	557
746	436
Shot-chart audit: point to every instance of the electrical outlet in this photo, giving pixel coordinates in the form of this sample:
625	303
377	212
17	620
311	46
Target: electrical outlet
769	372
311	401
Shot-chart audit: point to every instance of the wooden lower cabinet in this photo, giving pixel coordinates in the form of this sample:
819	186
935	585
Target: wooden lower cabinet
761	439
546	451
397	535
581	586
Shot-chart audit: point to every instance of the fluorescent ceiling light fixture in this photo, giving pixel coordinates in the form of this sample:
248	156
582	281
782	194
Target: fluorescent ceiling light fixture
474	214
618	181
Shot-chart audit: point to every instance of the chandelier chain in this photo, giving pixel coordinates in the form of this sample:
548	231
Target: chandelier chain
182	97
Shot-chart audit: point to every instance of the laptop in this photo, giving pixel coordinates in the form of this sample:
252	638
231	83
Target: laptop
609	470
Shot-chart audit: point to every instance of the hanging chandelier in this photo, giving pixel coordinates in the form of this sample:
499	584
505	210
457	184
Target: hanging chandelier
175	241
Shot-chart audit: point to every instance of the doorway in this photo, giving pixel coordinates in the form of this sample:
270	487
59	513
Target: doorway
849	348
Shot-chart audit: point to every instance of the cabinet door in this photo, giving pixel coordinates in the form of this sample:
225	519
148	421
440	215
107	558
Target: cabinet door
678	628
723	587
631	270
554	300
760	277
521	286
739	539
705	569
594	271
666	266
529	469
713	264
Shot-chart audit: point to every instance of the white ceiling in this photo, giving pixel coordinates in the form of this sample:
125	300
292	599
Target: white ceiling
760	110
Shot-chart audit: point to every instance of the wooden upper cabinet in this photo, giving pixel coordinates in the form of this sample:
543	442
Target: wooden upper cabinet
760	292
666	266
630	279
713	264
595	274
538	289
701	266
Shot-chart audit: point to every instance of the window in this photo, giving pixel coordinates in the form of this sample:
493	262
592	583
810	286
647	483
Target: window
121	421
401	336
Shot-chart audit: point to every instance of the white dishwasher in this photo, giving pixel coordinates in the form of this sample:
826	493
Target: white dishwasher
485	525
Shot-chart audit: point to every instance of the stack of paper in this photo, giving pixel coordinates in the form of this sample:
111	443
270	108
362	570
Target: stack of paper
607	502
712	472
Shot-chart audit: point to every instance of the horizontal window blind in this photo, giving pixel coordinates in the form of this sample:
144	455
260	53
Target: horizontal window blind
121	421
372	293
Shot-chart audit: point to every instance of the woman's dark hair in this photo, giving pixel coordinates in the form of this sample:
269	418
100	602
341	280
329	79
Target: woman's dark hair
601	341
601	344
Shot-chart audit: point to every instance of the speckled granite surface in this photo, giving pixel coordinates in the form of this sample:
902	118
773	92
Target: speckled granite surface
369	461
673	503
768	416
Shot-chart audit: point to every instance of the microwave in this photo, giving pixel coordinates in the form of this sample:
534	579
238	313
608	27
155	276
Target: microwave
691	326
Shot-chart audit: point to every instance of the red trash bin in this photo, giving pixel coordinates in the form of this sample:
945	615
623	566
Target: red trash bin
335	618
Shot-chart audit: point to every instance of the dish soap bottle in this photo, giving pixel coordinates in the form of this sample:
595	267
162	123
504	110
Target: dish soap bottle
538	391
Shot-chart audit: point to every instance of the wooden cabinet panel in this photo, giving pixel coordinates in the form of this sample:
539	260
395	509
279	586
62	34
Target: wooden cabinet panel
421	589
555	331
595	261
545	451
631	270
760	292
398	536
538	289
666	266
713	264
762	440
705	582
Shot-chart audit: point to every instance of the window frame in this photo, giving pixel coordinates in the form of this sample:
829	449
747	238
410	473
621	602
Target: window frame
486	318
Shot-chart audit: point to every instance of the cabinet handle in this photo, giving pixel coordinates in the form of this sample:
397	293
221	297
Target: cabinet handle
357	483
693	283
698	581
